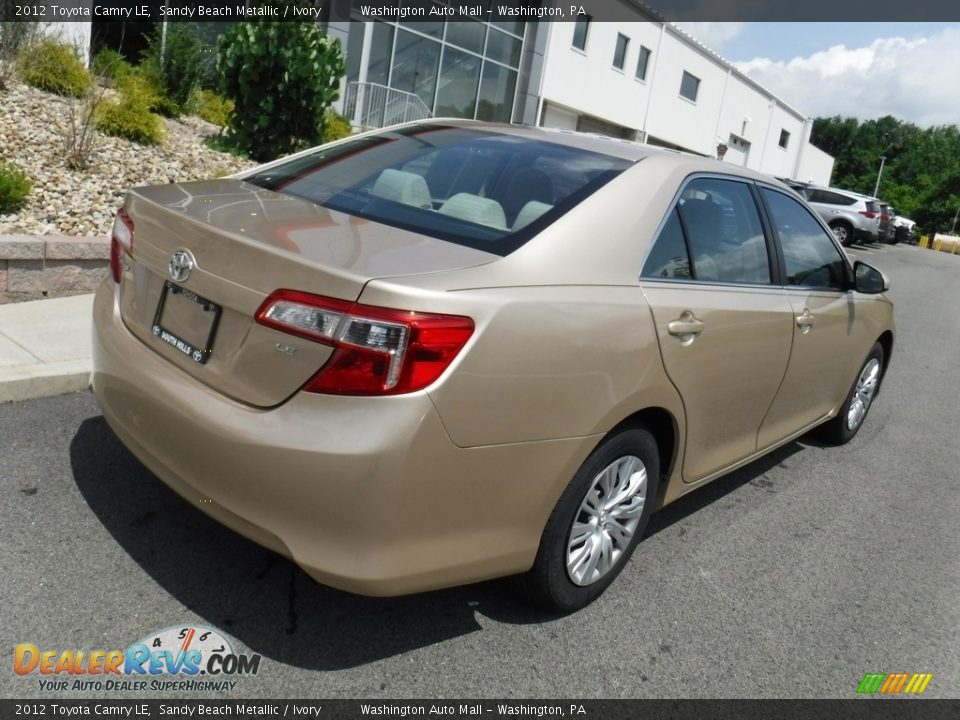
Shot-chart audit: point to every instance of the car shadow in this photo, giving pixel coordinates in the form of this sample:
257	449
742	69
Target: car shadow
268	602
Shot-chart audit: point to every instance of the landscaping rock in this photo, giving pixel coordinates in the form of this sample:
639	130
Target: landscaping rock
83	202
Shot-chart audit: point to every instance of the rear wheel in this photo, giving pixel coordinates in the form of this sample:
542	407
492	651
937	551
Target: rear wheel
596	524
843	233
853	412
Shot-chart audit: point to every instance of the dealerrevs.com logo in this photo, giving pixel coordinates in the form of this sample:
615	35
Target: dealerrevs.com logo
187	659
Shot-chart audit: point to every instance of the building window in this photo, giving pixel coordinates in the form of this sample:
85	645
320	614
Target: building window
642	63
620	53
784	139
689	86
580	30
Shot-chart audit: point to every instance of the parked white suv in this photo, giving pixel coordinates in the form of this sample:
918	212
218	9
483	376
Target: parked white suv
851	216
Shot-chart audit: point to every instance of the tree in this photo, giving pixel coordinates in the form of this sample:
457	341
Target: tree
282	77
921	176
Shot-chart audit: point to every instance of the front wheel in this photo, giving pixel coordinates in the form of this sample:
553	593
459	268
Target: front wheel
596	524
853	412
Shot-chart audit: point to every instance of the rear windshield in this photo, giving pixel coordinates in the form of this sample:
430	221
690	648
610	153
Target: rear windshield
486	190
873	206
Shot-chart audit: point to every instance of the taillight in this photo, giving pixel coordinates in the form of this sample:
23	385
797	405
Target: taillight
869	214
377	351
121	240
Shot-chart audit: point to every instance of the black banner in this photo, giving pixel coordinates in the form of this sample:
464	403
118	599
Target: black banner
489	10
864	709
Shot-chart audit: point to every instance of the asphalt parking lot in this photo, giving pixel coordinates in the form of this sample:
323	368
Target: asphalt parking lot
789	578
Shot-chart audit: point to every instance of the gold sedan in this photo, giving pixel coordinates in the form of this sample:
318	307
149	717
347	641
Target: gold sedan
451	351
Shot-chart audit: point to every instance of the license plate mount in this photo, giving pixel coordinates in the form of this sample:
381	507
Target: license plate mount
186	321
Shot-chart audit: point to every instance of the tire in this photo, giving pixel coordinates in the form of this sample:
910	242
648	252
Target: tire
567	574
853	412
843	233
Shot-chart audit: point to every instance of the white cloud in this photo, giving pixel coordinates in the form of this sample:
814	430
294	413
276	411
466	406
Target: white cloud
712	34
913	80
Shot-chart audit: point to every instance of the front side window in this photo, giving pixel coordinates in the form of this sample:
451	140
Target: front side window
580	30
713	234
486	190
810	255
689	86
620	51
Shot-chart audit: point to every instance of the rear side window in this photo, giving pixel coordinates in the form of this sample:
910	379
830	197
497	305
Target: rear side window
486	190
669	257
810	255
830	198
714	234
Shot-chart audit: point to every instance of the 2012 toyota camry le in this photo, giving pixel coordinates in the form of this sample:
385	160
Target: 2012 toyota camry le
450	351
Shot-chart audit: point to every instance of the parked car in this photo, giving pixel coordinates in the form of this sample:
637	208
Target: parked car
851	216
887	222
905	230
450	351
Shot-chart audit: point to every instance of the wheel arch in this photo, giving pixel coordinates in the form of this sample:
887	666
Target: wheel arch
666	431
886	342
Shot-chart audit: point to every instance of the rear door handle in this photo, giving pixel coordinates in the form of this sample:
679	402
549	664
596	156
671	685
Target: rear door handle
686	324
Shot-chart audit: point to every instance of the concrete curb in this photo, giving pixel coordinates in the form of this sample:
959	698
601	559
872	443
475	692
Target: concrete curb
45	347
26	382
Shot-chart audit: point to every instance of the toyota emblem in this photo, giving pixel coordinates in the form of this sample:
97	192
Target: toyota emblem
180	265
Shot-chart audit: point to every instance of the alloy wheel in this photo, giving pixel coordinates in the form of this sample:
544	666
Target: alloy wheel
863	394
607	520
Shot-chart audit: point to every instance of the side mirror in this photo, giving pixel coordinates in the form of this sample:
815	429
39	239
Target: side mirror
869	280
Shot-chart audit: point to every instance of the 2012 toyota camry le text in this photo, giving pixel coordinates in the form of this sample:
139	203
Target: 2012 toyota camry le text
450	351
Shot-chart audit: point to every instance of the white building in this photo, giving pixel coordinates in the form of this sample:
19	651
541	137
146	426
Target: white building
653	82
645	80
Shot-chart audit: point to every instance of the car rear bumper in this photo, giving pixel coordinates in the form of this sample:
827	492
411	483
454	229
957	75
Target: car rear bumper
366	494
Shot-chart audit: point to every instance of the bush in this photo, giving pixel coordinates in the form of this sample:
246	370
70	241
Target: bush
335	127
52	66
14	187
281	77
212	107
178	75
110	64
130	117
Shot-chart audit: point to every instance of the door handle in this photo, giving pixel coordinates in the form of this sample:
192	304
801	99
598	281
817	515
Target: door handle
805	320
686	324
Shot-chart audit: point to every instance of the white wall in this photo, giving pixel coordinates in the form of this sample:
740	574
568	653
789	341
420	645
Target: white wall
815	166
588	81
692	125
777	160
76	34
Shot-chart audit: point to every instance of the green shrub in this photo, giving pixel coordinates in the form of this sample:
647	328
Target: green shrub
335	126
109	63
14	187
179	73
212	107
130	117
281	77
52	66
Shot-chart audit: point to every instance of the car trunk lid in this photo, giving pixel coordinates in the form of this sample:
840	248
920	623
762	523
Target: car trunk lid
242	243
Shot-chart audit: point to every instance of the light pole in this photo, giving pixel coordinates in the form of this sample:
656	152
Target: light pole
955	216
876	188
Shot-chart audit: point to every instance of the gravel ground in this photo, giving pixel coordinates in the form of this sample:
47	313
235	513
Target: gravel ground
72	202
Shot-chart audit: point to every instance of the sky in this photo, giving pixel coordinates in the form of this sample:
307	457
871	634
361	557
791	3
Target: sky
864	70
